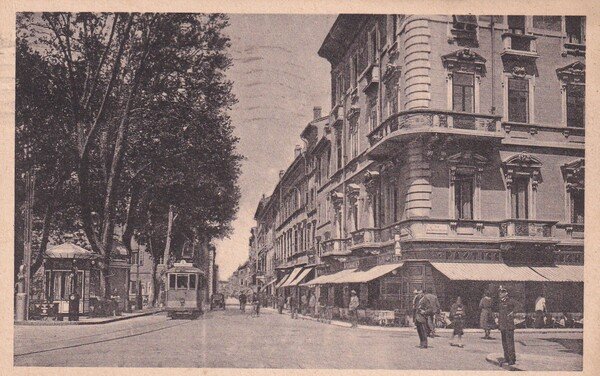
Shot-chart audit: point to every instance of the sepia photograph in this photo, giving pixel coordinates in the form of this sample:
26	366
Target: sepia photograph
350	191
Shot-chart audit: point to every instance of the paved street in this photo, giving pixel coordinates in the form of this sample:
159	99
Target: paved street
233	339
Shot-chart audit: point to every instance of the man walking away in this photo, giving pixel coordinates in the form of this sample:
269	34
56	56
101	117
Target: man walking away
352	308
435	310
242	299
457	315
423	306
506	324
486	318
280	303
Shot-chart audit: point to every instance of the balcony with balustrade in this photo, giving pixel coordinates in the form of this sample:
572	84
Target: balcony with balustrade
411	123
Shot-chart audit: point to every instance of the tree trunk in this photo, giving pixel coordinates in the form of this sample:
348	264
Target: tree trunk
45	237
168	240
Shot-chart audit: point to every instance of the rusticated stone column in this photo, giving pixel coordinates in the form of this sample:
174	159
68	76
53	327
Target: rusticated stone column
418	196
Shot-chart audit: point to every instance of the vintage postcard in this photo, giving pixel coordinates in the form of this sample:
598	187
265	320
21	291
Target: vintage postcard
260	187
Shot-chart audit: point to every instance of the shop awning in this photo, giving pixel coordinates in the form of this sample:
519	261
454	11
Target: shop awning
292	276
329	278
285	278
469	271
301	276
370	274
270	283
561	273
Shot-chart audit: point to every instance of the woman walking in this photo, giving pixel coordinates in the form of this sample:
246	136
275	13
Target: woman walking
486	318
457	315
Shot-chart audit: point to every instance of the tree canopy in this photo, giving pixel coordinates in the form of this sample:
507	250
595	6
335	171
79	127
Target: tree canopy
123	116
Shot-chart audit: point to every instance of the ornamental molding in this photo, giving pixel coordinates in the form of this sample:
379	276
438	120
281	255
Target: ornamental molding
522	164
574	174
391	71
464	59
572	73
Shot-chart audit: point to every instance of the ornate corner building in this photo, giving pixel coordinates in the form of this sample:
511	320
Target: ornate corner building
452	159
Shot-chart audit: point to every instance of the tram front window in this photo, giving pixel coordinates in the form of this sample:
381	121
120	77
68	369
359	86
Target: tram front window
172	281
192	281
182	281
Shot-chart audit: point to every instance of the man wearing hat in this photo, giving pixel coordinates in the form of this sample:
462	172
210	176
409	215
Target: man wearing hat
506	324
352	307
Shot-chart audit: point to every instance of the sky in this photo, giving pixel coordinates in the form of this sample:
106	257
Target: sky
278	79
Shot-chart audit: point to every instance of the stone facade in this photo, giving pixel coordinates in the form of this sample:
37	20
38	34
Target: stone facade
452	139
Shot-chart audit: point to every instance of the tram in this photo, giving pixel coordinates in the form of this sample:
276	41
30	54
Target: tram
184	290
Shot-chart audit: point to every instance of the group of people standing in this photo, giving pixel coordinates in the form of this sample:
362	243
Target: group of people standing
254	300
426	307
306	304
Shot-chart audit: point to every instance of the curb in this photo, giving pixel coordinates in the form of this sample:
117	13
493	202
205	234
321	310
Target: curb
64	323
411	329
491	358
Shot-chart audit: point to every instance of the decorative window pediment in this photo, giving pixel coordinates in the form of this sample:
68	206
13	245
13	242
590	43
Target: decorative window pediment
464	60
575	174
390	72
522	164
353	191
337	198
572	73
466	161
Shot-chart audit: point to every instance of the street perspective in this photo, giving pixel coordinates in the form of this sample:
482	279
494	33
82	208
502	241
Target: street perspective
295	191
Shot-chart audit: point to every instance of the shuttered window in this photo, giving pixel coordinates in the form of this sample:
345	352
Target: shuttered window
518	100
463	92
520	198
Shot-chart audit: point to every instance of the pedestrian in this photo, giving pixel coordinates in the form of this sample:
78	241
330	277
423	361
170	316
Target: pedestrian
457	315
506	324
352	309
303	304
486	318
256	304
242	300
540	311
312	304
435	310
293	304
280	303
422	307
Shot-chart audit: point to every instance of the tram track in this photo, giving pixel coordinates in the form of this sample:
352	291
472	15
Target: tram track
107	337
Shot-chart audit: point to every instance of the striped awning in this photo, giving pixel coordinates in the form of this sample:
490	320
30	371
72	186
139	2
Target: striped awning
301	276
561	273
291	278
330	278
282	281
469	271
370	274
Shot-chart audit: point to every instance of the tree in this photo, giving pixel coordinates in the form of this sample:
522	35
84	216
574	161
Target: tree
145	95
40	113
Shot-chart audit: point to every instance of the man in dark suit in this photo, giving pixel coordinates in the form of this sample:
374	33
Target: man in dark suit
506	324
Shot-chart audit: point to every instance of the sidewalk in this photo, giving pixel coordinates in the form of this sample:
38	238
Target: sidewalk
412	329
538	362
84	320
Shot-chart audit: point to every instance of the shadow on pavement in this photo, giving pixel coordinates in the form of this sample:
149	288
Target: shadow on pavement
574	346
